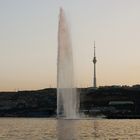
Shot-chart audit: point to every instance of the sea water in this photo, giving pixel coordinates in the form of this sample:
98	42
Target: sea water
46	129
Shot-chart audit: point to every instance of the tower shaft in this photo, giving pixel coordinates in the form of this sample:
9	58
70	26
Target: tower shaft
94	83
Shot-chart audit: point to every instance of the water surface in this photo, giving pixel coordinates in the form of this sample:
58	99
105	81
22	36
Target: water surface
46	129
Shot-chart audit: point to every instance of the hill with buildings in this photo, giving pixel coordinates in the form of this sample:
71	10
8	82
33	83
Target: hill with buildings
107	101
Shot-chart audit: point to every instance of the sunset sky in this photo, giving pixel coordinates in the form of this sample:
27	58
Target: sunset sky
28	42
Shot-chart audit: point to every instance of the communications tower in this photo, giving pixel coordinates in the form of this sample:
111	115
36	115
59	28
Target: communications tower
94	62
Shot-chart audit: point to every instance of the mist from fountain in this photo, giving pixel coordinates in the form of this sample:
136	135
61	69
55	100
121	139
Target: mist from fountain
67	96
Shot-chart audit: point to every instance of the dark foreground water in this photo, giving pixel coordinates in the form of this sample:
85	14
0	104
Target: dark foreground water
46	129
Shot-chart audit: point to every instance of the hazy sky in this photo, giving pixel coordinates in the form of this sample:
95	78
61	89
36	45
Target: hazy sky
28	42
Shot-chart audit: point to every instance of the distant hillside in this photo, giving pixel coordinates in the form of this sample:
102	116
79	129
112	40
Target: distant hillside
110	101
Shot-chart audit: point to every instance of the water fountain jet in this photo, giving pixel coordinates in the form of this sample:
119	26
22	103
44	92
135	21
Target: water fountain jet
67	97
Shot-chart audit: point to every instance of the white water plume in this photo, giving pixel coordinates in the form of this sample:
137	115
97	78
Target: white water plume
67	98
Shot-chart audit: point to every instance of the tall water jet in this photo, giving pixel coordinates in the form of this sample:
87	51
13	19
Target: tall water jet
67	98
